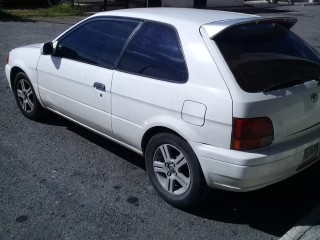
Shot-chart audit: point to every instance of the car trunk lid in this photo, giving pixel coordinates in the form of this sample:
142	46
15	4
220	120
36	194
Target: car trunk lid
292	110
269	71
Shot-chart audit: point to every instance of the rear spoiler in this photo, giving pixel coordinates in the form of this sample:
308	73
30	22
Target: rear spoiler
215	28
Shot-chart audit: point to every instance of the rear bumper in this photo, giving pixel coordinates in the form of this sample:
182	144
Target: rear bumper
247	171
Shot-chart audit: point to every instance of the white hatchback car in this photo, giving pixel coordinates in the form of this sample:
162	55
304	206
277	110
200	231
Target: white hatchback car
210	98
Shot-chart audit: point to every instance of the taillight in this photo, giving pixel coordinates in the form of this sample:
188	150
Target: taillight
251	133
8	58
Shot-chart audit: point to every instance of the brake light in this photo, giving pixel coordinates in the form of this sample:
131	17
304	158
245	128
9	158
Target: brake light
8	56
251	133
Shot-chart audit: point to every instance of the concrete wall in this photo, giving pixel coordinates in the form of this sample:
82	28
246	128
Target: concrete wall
181	3
177	3
224	3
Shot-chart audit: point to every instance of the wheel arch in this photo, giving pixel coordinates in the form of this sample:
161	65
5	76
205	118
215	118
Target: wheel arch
13	73
30	73
197	188
156	130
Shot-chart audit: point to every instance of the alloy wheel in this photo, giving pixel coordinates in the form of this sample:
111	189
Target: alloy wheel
25	95
171	169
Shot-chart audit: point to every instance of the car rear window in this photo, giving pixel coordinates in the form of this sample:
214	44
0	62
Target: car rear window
155	52
267	56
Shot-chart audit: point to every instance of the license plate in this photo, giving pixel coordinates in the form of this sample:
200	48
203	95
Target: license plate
311	152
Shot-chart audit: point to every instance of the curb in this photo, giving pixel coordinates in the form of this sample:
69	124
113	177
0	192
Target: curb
306	3
304	226
281	4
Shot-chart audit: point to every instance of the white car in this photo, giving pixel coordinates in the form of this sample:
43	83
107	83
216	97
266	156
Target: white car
210	98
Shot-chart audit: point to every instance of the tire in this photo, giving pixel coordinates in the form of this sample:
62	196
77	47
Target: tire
26	98
174	171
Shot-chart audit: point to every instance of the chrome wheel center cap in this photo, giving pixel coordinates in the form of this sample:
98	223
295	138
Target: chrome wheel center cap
171	168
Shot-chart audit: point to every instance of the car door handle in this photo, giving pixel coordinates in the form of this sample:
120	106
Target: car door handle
99	86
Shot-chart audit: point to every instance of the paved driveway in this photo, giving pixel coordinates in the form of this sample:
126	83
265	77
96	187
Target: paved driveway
60	181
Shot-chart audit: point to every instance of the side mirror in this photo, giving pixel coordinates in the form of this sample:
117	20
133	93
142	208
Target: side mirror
47	48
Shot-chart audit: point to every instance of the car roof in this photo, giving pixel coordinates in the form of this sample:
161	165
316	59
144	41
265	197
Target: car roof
179	17
188	20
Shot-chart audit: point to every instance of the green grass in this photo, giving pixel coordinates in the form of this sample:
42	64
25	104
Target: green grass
60	10
4	14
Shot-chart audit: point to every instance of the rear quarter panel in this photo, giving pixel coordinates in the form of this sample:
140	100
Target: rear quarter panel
291	109
140	103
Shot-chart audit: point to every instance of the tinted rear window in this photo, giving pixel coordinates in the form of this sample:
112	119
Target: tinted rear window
267	56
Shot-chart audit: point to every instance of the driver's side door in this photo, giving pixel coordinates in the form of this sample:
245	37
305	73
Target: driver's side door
76	80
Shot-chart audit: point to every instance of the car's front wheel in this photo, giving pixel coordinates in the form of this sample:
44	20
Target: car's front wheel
26	98
174	170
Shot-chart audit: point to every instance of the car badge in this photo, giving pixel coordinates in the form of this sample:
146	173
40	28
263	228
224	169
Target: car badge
314	97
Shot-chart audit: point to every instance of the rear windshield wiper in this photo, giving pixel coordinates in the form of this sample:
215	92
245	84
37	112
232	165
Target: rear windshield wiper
277	86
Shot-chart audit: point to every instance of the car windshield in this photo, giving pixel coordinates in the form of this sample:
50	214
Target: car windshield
267	56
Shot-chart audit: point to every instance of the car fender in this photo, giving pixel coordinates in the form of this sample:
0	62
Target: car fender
26	58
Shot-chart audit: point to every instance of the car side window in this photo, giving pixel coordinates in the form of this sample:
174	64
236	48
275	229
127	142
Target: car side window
98	42
155	51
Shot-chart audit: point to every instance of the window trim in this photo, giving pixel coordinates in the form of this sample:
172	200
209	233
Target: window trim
142	75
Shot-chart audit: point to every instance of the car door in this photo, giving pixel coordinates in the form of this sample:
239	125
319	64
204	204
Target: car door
76	80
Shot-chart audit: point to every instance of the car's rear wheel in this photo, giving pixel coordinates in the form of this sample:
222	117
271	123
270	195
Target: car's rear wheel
174	170
26	98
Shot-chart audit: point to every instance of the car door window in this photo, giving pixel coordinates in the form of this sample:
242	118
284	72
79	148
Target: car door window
97	42
155	51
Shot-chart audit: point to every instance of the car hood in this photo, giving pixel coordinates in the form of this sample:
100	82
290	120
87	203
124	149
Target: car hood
25	57
35	45
19	52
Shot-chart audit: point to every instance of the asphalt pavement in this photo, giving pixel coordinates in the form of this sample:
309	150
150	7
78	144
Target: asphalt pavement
60	181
